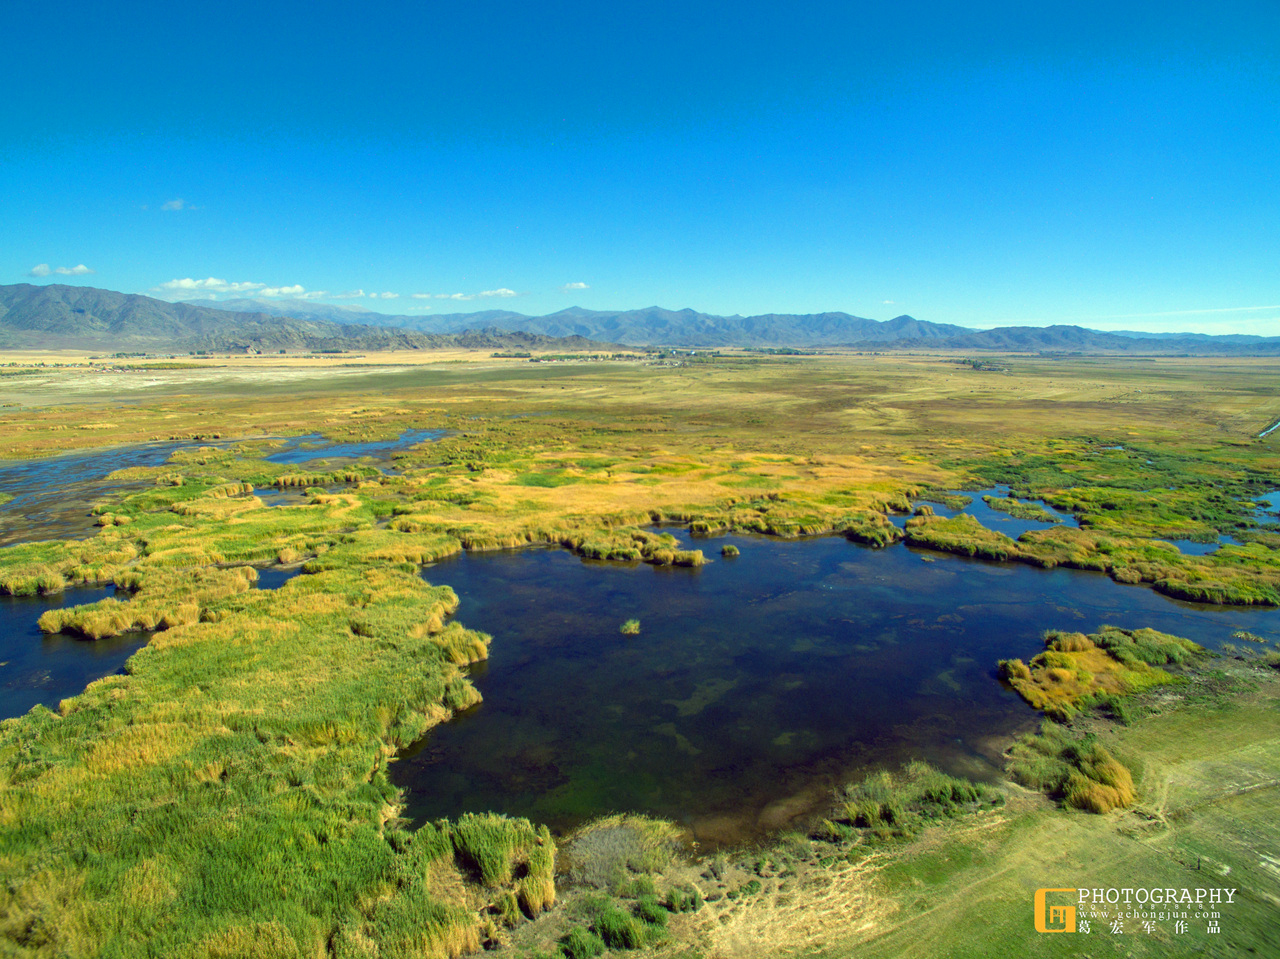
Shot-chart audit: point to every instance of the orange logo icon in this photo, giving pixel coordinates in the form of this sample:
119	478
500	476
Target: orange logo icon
1054	916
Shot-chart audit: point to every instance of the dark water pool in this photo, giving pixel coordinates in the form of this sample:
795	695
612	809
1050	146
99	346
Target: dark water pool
35	668
755	684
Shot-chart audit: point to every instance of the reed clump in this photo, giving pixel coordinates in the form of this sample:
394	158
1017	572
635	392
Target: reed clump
461	646
1020	510
961	534
1077	671
47	567
495	847
898	804
160	599
1078	771
871	529
608	852
952	501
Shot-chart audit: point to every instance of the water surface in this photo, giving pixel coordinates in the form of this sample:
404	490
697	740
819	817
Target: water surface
756	683
312	447
40	669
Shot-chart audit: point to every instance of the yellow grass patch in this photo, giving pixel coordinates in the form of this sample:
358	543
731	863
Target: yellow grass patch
134	747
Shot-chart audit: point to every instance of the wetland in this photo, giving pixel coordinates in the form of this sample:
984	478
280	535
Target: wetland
521	581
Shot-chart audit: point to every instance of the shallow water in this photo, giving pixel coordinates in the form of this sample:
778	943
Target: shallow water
1269	509
994	519
1189	547
53	497
37	668
1013	528
306	449
756	683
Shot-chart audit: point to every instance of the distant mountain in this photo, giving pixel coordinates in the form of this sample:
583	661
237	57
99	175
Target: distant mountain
1219	338
655	326
297	309
652	326
1077	339
80	317
57	316
311	310
1038	338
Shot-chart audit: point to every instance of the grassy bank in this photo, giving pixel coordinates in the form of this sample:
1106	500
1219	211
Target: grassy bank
915	862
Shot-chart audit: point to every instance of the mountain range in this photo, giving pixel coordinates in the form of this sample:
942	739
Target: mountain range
57	316
655	326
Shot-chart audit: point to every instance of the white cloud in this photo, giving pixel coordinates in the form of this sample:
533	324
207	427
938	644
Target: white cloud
349	295
282	291
43	269
887	302
501	292
211	284
570	287
178	204
387	296
313	295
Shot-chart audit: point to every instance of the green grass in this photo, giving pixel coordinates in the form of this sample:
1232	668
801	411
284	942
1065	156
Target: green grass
180	808
897	804
1077	672
1079	771
1020	510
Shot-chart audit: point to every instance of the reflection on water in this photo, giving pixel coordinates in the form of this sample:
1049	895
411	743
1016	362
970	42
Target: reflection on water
755	684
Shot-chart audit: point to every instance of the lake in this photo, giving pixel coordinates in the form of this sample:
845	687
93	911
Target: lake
756	683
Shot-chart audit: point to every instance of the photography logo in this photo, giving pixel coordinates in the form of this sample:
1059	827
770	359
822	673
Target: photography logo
1054	911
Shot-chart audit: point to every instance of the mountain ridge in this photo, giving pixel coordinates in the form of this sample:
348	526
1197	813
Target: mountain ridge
57	316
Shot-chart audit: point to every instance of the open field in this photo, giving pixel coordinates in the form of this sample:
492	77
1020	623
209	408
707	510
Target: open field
229	797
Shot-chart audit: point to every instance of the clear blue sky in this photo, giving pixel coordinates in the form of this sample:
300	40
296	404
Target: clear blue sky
982	164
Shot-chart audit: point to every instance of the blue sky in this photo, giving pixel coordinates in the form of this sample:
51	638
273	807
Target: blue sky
1112	165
